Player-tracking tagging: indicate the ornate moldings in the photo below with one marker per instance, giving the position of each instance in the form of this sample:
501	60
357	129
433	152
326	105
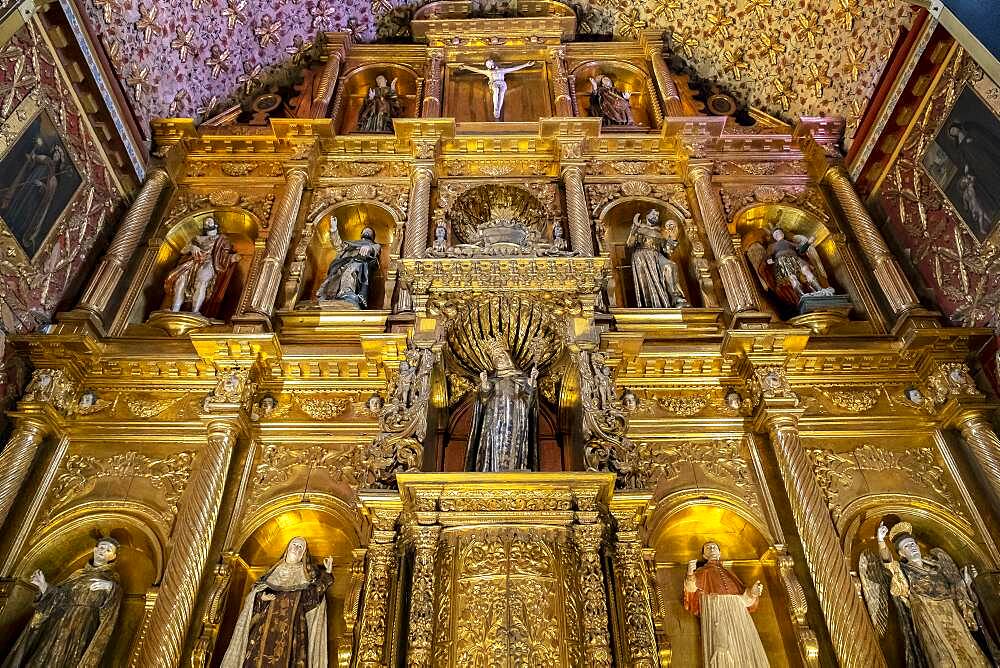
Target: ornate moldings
234	168
51	386
570	274
343	169
723	461
841	475
952	379
80	474
189	201
599	195
495	500
393	195
280	464
665	167
498	168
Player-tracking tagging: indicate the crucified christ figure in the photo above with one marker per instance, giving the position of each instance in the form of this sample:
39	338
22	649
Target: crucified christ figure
495	77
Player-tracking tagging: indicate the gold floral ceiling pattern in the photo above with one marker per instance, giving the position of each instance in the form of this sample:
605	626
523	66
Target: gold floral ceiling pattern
789	57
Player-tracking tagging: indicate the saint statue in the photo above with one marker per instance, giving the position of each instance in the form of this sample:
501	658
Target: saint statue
655	275
349	277
73	620
936	609
729	638
503	425
380	107
283	620
203	273
791	269
609	102
495	78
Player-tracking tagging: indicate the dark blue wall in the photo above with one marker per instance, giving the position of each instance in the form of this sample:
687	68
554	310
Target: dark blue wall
982	18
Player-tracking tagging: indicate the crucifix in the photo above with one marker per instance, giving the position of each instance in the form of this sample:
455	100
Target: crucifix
495	78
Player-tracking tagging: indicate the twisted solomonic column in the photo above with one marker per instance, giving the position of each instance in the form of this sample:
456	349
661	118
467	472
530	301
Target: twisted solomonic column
283	218
422	612
115	261
323	90
560	84
888	273
419	211
431	105
16	459
983	443
577	212
191	539
851	632
668	87
736	280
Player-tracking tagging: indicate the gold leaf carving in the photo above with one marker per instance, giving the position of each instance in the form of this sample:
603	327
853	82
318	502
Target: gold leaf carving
224	197
682	405
323	409
147	408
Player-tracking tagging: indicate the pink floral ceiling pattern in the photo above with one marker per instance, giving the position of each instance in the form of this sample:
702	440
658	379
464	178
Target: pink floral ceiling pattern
788	57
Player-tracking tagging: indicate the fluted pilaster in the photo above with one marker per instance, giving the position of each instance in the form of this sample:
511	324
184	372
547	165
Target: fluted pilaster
597	643
668	87
16	459
419	211
736	279
560	84
851	632
431	106
124	244
192	536
577	211
887	271
421	626
283	218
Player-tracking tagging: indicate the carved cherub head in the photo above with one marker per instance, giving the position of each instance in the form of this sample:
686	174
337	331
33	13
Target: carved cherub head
87	399
630	402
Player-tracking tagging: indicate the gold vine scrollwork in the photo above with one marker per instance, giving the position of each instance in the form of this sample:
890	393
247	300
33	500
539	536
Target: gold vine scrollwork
724	460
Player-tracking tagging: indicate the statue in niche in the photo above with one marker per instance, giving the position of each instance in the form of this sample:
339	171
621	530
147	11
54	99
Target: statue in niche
203	273
793	271
503	425
655	275
73	620
495	78
440	245
283	619
729	638
609	102
380	107
349	276
936	608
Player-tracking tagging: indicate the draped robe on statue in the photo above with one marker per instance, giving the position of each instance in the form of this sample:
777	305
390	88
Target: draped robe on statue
289	630
72	624
503	426
729	638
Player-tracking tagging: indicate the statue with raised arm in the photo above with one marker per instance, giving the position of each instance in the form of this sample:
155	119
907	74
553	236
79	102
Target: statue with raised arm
610	103
655	275
935	607
380	107
74	619
714	593
495	78
349	276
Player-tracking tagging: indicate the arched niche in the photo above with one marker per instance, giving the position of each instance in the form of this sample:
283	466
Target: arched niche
352	219
626	77
67	545
242	228
754	224
616	222
678	530
330	528
933	526
354	87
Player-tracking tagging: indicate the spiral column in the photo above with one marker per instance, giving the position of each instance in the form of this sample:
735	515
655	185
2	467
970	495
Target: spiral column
888	273
16	458
560	84
668	87
124	244
982	442
736	279
431	105
851	632
323	90
577	211
419	211
191	539
283	218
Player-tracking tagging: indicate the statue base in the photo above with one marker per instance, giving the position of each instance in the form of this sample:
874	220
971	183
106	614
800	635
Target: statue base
327	305
821	322
179	323
824	301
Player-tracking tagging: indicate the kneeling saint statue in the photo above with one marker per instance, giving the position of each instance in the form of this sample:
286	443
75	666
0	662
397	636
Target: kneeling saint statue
283	620
503	425
73	620
729	638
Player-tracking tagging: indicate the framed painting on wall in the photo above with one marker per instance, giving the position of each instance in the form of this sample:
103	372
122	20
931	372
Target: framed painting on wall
964	162
37	181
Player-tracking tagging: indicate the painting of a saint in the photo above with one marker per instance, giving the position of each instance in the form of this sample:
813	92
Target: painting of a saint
964	161
37	182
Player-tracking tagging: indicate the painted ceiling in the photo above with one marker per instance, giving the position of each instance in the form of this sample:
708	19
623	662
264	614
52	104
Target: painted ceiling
789	57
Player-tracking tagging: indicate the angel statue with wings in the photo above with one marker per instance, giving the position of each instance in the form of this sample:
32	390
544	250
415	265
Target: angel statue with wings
380	107
936	609
791	269
349	276
655	275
